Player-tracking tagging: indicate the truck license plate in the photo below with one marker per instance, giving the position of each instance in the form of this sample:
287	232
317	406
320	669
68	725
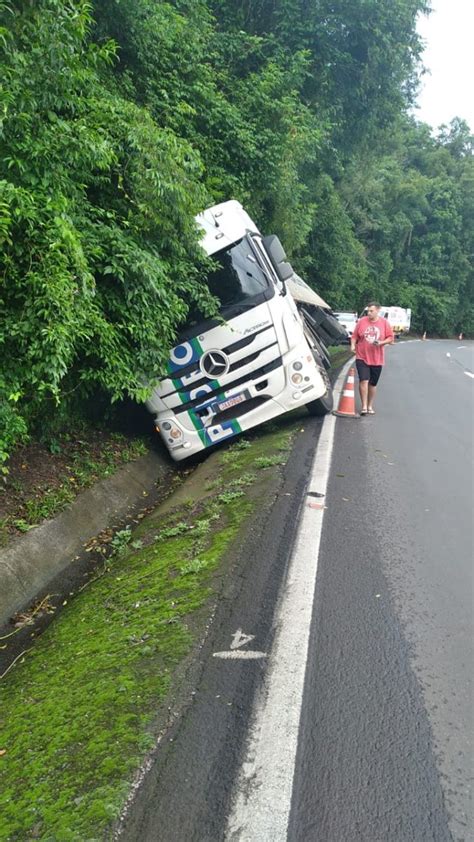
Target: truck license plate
235	399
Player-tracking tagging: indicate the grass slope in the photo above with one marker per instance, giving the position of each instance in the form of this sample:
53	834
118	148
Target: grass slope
79	710
42	482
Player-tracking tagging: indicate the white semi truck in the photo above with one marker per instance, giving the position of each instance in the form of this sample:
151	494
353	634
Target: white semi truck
261	357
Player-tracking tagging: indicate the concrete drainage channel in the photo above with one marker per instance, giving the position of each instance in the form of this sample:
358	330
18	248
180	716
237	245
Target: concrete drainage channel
57	558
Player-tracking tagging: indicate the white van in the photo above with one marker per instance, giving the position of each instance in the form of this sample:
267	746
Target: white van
348	321
398	318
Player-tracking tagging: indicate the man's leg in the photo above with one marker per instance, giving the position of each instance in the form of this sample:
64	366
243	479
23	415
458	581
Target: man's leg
363	371
363	390
375	372
371	396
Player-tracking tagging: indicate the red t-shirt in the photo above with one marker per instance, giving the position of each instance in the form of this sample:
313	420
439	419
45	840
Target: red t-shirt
365	333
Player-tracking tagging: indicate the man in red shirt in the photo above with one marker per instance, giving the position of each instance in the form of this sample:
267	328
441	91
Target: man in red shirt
370	335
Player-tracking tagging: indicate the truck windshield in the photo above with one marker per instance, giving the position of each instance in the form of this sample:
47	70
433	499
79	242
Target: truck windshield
237	281
237	278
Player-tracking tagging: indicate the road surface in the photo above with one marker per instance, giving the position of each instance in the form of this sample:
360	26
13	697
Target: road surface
354	720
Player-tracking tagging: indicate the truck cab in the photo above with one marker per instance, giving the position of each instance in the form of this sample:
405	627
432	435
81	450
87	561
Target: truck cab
253	361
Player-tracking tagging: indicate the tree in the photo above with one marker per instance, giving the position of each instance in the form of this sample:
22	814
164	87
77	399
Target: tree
122	119
99	242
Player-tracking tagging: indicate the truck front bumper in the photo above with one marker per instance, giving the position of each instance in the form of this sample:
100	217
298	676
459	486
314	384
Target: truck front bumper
296	382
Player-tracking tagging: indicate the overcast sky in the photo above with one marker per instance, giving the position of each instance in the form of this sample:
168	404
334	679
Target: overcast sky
448	91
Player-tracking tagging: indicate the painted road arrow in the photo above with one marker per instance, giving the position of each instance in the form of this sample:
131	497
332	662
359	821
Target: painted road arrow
236	653
240	639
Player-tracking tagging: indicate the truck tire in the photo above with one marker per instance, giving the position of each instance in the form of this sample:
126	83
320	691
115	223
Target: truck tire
325	403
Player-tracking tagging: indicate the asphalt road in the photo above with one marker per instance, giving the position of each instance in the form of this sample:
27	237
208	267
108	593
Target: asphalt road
384	749
386	740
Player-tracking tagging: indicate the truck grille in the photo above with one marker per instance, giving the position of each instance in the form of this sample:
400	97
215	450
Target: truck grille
229	350
246	379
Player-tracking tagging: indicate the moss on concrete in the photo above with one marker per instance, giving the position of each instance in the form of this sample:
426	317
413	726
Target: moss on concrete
81	709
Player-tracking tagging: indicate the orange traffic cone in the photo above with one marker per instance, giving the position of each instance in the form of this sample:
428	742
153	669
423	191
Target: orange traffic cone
346	408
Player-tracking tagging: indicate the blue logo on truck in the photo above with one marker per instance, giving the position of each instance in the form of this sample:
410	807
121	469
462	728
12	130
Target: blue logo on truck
184	355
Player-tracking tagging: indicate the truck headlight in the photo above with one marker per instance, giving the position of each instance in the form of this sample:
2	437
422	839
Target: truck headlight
170	431
296	378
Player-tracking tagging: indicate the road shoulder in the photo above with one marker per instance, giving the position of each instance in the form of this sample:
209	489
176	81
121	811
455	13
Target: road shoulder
103	683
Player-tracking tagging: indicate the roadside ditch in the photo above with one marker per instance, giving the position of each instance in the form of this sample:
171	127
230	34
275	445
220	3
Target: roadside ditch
83	705
85	698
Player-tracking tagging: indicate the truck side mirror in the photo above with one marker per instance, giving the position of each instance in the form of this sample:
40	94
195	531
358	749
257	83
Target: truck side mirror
276	253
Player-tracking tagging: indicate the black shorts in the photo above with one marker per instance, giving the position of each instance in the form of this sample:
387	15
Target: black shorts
368	372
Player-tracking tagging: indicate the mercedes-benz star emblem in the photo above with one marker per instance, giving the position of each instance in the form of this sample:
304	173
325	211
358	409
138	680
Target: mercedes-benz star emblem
214	364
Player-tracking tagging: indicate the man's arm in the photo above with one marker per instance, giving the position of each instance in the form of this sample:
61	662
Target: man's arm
354	338
389	338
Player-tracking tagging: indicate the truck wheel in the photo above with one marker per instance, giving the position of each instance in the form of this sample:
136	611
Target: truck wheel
325	403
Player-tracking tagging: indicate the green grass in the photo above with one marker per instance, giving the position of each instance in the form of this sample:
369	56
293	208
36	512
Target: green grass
339	354
83	472
268	461
81	708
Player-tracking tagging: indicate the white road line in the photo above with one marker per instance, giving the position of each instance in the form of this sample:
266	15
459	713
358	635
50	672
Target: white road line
469	373
262	796
240	655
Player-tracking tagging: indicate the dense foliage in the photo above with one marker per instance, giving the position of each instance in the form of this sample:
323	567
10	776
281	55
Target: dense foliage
120	119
